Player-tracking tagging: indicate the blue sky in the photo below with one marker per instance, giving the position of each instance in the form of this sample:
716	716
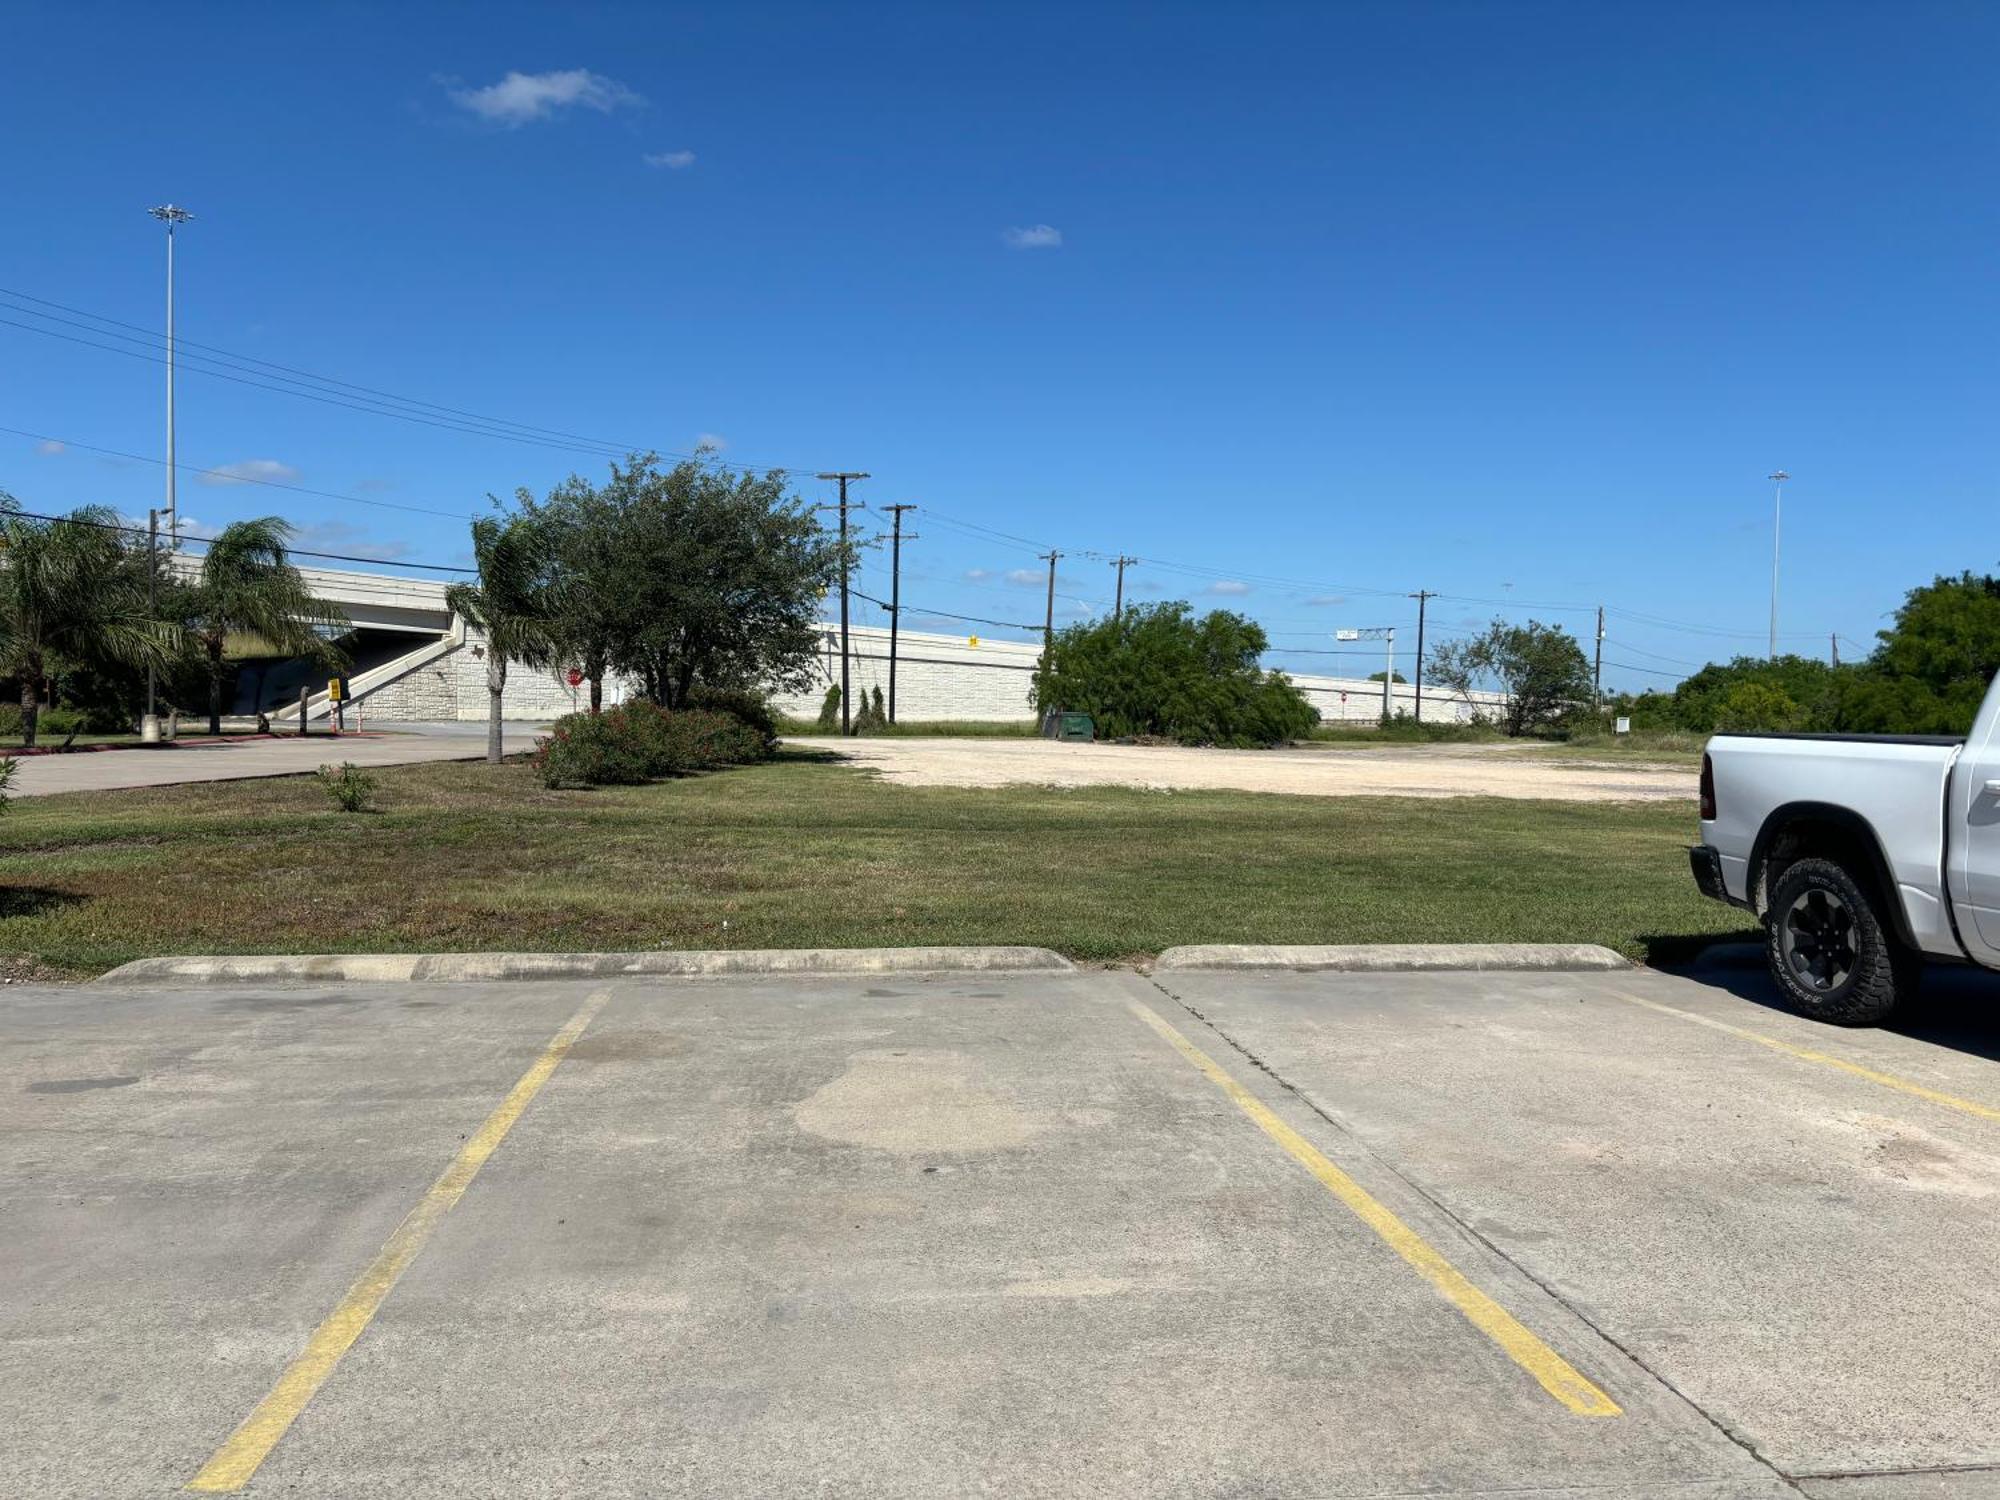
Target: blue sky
1321	303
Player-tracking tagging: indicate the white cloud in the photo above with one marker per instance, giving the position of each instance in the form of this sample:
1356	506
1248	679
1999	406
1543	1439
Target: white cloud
49	447
978	575
1033	237
341	536
521	98
672	161
1231	587
715	442
1026	576
252	471
1325	601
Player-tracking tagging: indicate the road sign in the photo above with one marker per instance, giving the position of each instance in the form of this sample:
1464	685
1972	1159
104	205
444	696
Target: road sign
574	677
335	690
1347	635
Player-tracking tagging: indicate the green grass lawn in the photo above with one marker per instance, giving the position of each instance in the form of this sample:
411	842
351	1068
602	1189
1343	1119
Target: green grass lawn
802	852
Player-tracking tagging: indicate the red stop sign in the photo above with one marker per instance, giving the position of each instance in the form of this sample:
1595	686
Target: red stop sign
574	676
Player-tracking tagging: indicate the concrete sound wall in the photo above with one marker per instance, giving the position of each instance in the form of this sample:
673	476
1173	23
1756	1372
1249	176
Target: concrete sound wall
951	677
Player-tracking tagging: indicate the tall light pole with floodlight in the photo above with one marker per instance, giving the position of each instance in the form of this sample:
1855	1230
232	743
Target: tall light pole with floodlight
172	215
1777	525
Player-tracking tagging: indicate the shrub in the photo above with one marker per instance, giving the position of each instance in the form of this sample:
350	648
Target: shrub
591	750
749	708
347	786
870	718
7	768
700	739
1156	670
641	741
829	710
57	723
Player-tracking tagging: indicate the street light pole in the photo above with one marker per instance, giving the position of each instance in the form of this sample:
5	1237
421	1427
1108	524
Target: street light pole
1777	523
171	215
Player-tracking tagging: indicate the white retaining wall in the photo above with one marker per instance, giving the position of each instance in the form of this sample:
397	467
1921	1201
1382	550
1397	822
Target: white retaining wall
948	677
937	677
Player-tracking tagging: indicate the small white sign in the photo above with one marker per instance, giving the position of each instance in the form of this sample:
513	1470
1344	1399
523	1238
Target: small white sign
1347	635
1622	724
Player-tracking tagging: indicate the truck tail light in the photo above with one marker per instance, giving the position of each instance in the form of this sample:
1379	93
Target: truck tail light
1707	790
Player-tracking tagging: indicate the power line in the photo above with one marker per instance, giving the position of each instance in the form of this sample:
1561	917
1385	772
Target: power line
256	372
234	479
238	358
203	541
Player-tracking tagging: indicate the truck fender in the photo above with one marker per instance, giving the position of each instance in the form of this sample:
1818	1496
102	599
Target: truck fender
1843	831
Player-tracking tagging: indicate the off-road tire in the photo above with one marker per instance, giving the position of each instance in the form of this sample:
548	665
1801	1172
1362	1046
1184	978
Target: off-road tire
1830	953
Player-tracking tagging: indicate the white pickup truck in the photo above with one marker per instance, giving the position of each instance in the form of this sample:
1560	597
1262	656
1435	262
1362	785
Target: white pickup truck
1864	855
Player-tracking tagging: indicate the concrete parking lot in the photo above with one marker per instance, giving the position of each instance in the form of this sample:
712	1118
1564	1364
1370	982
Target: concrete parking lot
1226	1234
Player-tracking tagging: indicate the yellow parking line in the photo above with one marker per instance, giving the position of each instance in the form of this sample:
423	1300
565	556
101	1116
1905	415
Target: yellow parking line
1557	1376
1887	1080
237	1459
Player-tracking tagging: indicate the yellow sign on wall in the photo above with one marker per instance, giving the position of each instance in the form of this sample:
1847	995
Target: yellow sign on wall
972	640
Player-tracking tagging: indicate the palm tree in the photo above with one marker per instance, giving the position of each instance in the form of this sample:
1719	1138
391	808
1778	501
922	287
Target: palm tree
246	585
71	588
514	603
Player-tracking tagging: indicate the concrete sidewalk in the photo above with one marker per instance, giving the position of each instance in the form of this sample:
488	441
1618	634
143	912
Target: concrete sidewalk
107	770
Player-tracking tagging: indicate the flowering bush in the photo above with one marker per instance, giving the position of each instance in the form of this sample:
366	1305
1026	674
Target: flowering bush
590	750
641	741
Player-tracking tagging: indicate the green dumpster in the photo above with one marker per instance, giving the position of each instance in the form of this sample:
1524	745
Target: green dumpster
1076	727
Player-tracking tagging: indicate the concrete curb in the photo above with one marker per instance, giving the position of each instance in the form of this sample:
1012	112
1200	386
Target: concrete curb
1392	958
445	968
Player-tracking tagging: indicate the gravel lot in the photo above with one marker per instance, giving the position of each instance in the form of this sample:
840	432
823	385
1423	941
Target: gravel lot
1415	771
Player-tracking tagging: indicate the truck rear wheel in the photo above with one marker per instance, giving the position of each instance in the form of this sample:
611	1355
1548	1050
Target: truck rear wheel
1829	949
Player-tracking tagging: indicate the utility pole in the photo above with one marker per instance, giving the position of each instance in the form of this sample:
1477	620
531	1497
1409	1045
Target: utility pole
1049	619
171	215
1118	607
846	707
1423	597
1833	644
1777	522
895	594
1597	666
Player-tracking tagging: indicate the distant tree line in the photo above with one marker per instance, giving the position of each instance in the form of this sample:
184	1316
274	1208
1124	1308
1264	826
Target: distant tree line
1927	675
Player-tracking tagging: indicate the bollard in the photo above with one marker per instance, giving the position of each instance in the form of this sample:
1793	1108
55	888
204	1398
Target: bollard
303	693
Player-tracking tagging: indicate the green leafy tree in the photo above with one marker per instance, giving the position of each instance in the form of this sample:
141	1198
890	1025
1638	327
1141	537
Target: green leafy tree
247	586
1935	662
1702	701
1540	668
690	577
1157	670
1759	707
516	602
587	536
70	590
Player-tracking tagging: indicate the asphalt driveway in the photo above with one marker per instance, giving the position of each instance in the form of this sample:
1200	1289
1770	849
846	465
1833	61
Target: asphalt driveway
1026	1234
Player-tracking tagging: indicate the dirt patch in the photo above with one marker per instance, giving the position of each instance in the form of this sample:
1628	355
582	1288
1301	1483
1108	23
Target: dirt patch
1304	771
